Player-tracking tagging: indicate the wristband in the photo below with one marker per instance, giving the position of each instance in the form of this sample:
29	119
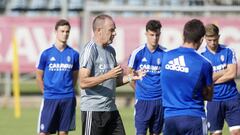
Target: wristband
129	78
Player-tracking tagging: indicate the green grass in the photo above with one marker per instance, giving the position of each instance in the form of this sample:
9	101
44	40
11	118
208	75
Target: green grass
27	124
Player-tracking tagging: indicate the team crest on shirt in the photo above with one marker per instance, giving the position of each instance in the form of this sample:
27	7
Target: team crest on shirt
68	58
158	61
222	58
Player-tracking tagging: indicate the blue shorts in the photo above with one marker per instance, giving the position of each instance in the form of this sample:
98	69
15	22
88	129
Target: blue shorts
185	125
57	115
148	114
218	111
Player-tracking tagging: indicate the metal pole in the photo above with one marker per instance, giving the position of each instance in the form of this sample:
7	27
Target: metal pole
86	18
64	9
7	89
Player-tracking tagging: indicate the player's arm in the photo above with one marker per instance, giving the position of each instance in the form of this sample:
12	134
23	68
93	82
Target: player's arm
230	74
132	83
75	77
86	81
123	79
218	75
132	64
208	92
208	77
39	79
131	77
75	69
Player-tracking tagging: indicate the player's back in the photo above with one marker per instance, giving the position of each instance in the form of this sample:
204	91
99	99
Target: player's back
182	82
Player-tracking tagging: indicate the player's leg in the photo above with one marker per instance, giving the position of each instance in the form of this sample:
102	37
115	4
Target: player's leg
235	131
233	115
215	117
67	115
44	134
143	114
62	133
48	121
156	122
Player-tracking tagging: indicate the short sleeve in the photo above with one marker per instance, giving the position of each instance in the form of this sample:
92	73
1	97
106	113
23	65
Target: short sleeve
208	72
231	58
132	61
87	58
76	62
41	63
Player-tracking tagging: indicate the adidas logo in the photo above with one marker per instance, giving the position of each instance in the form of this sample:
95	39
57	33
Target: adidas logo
52	59
144	60
177	64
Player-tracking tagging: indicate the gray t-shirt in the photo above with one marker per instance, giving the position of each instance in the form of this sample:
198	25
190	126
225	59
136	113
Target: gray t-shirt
99	61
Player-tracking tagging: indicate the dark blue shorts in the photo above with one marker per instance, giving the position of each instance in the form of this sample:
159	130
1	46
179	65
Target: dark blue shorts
57	115
218	111
185	125
148	115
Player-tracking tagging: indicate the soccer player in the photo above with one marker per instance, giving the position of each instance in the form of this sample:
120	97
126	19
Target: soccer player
186	80
99	76
57	73
226	101
148	92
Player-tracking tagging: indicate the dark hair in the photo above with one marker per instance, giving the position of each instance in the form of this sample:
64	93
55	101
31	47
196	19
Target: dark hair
153	25
211	30
193	31
99	20
62	22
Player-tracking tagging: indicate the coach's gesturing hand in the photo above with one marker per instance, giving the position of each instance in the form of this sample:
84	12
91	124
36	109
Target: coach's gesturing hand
115	72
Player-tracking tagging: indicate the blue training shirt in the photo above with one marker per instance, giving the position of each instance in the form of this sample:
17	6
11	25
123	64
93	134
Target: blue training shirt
58	67
149	88
184	74
220	60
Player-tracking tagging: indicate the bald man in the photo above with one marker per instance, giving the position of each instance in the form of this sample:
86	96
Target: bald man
99	76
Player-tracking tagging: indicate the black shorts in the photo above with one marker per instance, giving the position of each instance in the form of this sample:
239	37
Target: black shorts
102	123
